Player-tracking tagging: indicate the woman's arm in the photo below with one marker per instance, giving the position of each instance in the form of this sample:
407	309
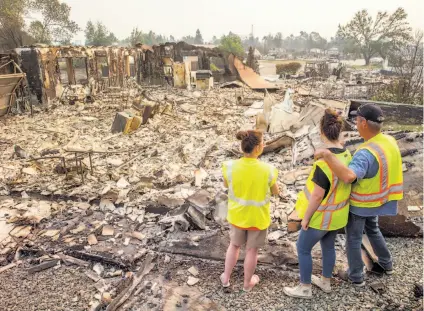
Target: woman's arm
275	190
314	203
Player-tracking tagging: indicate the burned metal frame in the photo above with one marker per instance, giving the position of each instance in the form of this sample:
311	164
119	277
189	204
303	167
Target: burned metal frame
144	64
12	80
78	161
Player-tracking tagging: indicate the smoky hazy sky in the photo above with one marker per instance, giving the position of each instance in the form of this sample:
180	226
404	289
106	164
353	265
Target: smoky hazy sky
218	17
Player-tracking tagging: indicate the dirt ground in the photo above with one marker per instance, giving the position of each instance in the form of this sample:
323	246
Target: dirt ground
67	288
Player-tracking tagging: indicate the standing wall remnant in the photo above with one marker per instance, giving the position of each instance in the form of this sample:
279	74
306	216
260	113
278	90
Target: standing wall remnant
53	69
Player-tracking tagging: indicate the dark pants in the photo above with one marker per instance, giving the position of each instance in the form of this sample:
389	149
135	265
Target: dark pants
354	231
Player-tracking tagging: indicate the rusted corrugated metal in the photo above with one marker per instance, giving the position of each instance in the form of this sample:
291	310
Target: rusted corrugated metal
251	78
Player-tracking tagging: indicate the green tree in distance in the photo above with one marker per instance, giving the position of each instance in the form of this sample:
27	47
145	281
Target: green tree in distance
376	36
232	44
55	24
98	35
198	38
12	23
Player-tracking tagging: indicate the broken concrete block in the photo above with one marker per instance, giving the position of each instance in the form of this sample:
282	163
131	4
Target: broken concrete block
192	280
114	162
199	175
92	275
221	208
200	198
138	235
43	266
108	230
193	270
99	269
122	123
106	205
196	217
92	240
170	202
289	178
414	208
178	222
273	236
140	219
122	183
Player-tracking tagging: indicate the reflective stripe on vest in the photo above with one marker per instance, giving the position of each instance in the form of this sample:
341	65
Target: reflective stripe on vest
383	195
327	206
330	207
241	201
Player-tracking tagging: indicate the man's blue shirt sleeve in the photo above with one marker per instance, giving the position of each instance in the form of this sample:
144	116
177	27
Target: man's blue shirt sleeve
361	164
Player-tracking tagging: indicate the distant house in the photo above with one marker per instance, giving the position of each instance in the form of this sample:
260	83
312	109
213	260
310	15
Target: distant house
208	46
333	51
316	51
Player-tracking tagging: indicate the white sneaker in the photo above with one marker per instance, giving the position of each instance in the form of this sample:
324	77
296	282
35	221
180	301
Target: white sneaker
300	291
325	286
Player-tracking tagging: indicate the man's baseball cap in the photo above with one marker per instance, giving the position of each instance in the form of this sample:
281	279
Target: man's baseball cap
370	112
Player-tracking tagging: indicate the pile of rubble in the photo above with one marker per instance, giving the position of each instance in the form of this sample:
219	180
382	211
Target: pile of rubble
74	193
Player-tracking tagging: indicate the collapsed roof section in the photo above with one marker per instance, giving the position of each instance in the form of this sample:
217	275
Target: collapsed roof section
250	77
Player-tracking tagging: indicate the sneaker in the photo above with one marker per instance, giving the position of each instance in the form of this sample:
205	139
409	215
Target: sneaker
379	270
324	285
345	277
300	291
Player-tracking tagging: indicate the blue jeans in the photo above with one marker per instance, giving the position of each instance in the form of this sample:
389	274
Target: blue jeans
307	239
354	231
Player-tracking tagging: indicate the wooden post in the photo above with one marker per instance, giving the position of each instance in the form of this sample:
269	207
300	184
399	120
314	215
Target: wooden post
70	70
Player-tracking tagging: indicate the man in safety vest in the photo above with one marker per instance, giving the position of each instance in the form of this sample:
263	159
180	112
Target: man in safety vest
377	185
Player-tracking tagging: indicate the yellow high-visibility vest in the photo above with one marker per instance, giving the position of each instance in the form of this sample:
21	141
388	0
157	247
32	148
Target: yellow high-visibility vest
249	181
387	184
333	212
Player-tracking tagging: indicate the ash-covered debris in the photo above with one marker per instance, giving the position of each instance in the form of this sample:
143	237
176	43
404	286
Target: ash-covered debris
78	192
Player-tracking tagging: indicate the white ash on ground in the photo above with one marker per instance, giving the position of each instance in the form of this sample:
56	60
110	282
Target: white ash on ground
155	193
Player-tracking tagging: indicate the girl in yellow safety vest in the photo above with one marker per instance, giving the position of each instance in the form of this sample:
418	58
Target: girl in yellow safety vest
250	184
323	206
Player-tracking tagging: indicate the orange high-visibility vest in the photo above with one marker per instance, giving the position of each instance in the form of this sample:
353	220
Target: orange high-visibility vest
387	184
333	212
